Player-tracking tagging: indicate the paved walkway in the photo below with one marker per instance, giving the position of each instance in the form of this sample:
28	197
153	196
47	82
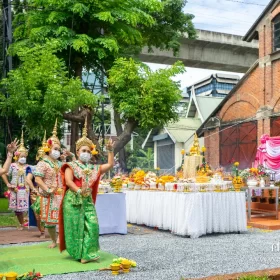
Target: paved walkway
14	236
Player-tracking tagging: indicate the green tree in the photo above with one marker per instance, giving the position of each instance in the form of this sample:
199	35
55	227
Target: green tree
1	45
40	89
144	98
90	35
146	160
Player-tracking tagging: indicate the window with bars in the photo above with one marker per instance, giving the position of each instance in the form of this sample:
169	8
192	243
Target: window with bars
68	139
276	33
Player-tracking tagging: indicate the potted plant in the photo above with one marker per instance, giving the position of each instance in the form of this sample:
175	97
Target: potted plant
251	176
262	199
254	197
271	199
263	175
237	180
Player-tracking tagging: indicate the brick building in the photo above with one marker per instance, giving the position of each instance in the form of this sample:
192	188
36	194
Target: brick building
252	108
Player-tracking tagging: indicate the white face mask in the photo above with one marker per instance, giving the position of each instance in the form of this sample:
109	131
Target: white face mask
85	157
55	154
22	160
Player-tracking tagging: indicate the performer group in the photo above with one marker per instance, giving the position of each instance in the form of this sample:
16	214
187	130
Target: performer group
62	194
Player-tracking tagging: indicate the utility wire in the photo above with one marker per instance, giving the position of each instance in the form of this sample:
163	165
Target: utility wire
223	18
216	9
247	3
243	121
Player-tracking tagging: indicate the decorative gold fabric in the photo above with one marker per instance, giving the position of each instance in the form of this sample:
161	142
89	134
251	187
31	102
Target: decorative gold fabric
80	226
190	164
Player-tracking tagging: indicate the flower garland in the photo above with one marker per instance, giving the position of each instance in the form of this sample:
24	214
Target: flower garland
93	150
16	155
7	194
32	275
250	173
47	146
166	179
139	177
120	260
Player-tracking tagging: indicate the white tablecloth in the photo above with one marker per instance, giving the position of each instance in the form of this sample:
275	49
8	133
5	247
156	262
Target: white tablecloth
111	213
192	214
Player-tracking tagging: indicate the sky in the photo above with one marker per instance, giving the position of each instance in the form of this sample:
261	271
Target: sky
226	16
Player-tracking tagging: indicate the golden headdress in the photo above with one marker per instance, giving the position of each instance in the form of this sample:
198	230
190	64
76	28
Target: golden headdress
53	139
84	141
21	148
41	150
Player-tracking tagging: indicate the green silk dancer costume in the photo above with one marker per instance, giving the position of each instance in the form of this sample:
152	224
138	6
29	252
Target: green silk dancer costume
78	225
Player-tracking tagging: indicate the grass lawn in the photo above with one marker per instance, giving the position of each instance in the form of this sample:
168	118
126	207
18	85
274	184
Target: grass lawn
9	220
6	220
4	204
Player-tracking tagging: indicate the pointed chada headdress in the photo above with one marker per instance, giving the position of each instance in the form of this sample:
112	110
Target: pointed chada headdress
21	148
53	139
85	141
41	151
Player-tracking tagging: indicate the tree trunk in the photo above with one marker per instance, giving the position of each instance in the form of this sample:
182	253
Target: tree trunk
125	135
75	125
79	117
74	136
119	130
122	160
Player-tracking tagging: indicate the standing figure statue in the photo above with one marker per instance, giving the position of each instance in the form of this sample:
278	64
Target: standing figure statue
35	191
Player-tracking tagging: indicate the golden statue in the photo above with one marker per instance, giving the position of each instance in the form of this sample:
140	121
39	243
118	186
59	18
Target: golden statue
195	149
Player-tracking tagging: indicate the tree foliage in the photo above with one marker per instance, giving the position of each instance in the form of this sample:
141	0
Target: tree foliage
140	158
148	98
89	35
40	89
1	45
94	33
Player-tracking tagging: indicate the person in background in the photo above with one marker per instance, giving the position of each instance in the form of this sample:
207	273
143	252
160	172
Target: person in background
19	191
47	176
35	191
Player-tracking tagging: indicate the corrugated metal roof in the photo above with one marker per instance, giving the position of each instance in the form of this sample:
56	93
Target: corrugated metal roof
183	129
207	104
181	135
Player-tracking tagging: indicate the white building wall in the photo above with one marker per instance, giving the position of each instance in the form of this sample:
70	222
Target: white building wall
155	154
178	156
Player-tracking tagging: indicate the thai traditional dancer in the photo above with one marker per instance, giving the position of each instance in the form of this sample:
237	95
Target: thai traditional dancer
48	178
35	191
11	148
19	190
78	224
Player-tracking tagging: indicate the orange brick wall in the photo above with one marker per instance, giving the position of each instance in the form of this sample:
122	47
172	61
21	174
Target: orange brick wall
211	142
260	90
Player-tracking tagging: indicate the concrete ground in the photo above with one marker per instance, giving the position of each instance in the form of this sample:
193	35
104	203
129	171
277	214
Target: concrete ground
163	256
